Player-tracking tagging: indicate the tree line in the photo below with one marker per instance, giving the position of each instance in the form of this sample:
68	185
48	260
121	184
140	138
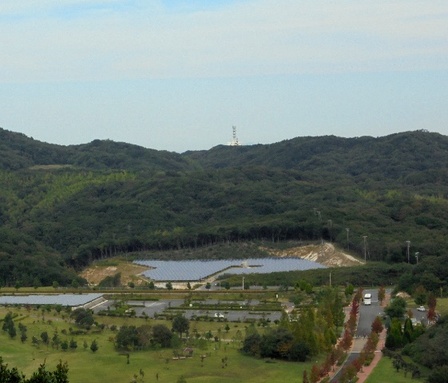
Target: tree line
42	375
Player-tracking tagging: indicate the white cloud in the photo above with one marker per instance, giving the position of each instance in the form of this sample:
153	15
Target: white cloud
125	39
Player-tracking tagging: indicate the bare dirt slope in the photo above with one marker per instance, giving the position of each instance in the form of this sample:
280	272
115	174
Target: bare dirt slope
325	254
129	272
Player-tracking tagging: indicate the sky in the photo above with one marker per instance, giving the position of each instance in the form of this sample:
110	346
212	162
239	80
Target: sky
176	75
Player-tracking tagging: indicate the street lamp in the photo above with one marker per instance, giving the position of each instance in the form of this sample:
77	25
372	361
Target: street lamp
416	256
408	244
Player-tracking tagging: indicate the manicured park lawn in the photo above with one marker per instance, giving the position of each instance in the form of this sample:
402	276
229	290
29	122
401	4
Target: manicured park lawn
385	372
108	365
442	306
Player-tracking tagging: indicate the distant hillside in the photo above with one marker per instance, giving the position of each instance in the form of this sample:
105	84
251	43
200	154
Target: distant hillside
70	205
21	152
401	156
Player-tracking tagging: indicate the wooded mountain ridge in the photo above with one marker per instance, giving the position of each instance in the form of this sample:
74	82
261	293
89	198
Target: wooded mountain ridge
62	207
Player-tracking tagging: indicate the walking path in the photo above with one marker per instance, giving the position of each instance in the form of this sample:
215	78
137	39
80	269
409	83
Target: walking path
365	371
357	346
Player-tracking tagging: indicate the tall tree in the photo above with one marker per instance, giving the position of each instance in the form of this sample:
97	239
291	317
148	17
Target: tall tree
377	325
396	308
83	317
161	335
381	294
181	325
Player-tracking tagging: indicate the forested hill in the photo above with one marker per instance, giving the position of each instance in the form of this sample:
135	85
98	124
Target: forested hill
395	156
399	155
63	206
20	152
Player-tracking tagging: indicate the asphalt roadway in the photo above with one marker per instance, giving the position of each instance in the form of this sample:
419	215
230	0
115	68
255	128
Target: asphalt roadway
367	314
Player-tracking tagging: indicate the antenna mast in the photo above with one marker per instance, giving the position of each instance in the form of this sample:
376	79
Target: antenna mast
235	141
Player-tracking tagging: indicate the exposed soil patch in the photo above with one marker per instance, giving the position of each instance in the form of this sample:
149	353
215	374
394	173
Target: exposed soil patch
129	273
325	254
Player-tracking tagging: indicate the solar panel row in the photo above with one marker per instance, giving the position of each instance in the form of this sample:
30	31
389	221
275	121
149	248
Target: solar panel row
71	300
199	269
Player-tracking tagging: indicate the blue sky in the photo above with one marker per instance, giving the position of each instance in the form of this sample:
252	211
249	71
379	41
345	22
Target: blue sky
177	75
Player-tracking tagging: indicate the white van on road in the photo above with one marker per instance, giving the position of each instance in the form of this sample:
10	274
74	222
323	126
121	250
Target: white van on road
367	299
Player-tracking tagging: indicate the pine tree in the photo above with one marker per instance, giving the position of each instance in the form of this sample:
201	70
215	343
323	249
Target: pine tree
12	331
73	344
94	346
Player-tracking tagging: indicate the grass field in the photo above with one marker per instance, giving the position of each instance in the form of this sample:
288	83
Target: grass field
385	372
442	306
108	365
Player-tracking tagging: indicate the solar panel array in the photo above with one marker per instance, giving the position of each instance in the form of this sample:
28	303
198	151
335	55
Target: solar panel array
71	300
200	269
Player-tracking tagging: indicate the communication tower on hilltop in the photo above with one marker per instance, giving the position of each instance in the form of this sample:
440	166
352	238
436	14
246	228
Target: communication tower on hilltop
234	141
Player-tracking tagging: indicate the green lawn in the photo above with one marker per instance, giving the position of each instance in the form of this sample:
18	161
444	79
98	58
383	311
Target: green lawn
385	372
442	306
110	366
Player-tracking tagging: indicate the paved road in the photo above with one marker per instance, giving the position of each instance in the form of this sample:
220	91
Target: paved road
367	314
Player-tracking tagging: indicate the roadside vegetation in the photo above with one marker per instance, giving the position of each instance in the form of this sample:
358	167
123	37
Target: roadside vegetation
418	349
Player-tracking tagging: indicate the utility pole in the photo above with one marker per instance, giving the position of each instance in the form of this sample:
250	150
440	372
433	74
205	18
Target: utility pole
348	238
365	248
408	245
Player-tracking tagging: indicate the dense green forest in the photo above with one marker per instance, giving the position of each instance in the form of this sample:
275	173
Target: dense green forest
62	207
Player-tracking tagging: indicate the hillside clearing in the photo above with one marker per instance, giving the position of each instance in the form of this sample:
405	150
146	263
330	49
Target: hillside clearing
326	254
